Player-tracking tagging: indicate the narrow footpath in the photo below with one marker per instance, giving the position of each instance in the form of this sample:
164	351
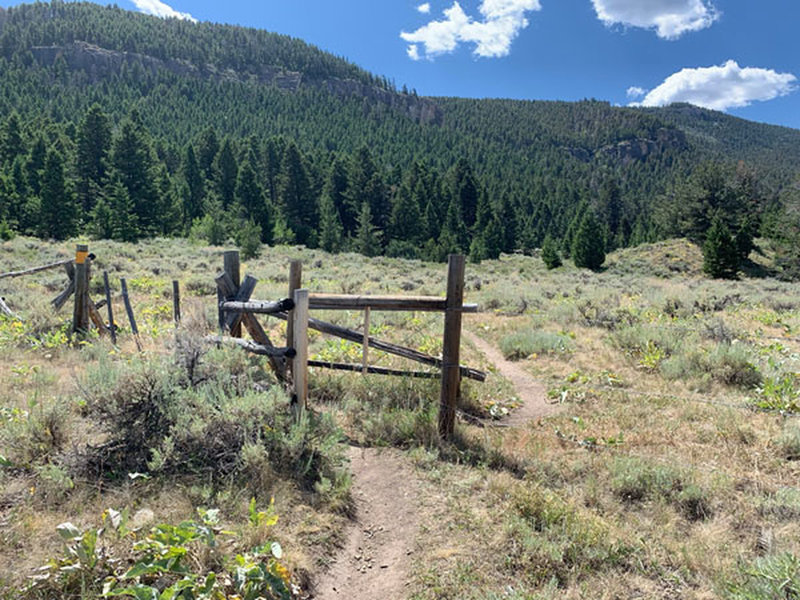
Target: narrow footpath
374	563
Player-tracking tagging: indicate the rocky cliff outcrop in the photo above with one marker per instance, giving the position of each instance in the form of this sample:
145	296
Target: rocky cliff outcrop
100	63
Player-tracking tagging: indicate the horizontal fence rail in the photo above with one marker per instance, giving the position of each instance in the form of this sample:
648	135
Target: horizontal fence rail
372	370
386	303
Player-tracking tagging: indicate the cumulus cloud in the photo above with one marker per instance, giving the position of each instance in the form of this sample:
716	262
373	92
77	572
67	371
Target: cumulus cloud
635	92
159	9
492	35
424	8
720	88
670	18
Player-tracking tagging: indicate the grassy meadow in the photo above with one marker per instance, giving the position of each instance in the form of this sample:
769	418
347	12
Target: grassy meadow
670	469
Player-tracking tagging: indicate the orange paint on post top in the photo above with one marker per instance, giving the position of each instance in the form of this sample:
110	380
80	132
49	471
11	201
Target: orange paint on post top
80	257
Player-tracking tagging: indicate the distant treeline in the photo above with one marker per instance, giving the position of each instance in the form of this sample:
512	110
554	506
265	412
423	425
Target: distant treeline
128	126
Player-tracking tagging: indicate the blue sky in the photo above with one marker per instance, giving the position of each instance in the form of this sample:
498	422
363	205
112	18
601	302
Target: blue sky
740	56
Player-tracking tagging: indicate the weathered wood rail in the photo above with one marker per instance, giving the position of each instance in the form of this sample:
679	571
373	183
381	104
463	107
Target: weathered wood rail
291	363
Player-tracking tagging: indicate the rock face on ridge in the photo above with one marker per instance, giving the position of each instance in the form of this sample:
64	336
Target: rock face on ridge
99	63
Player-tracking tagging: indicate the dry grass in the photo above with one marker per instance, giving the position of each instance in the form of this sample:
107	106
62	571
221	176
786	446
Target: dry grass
655	481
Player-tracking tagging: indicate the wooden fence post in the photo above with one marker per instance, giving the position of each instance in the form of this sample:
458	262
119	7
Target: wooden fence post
295	282
365	343
80	314
451	372
111	326
300	367
233	269
176	303
129	309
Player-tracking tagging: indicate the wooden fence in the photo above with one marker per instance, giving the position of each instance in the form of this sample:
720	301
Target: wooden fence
86	312
291	363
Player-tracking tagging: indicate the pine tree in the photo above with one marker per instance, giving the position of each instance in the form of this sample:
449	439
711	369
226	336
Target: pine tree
225	173
92	146
35	166
123	223
58	211
132	162
296	202
194	192
251	201
331	232
405	222
368	236
11	144
720	255
248	238
550	255
588	246
207	150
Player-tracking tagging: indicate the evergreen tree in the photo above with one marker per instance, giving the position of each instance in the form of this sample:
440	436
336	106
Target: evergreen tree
207	150
405	222
331	232
720	255
368	236
11	144
588	246
194	193
124	221
335	188
465	190
132	162
248	238
58	211
35	166
296	202
252	203
92	146
550	255
225	173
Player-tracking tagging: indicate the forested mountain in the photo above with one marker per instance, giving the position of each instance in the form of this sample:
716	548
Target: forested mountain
129	125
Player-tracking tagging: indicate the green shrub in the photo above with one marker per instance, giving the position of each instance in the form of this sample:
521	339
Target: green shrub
633	480
640	338
518	346
248	238
771	578
636	480
183	561
731	364
780	392
548	538
789	443
208	412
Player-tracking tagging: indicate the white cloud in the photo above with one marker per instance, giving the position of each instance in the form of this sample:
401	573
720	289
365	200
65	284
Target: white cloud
492	36
720	88
635	92
670	18
159	9
424	8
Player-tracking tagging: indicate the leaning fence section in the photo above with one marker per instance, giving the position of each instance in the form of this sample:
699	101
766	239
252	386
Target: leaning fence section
291	362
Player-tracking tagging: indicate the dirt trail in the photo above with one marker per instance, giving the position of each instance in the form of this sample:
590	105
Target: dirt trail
532	394
374	563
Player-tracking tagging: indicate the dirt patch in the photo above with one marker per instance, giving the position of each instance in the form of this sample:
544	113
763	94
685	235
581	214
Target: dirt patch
375	560
532	394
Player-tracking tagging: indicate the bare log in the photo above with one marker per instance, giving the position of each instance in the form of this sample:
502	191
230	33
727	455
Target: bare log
35	269
259	349
226	289
5	310
257	307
